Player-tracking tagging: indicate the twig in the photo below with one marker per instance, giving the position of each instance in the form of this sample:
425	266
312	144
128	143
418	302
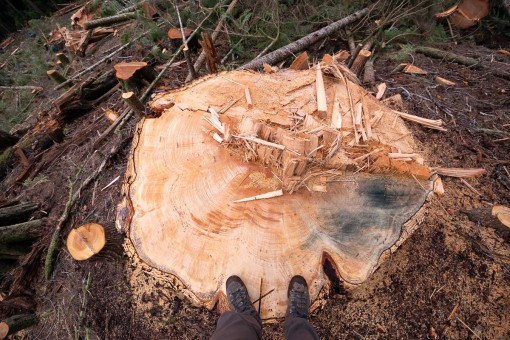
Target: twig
185	50
472	331
15	88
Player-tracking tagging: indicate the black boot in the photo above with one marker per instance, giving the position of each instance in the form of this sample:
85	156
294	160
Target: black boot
238	295
299	299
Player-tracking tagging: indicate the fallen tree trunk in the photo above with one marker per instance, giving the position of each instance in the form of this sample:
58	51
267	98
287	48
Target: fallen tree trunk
300	44
21	232
16	213
115	19
16	323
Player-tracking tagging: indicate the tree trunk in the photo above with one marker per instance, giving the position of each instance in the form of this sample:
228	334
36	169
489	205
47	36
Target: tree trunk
16	213
300	44
21	232
6	140
16	323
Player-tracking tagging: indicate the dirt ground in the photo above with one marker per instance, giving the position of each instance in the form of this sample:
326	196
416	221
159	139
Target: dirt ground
450	279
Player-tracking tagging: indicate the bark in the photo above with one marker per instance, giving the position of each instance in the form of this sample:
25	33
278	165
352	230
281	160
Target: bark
300	44
16	213
115	19
6	140
16	323
360	61
134	103
21	232
369	74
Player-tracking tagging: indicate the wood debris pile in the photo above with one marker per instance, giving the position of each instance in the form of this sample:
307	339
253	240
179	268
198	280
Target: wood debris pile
309	128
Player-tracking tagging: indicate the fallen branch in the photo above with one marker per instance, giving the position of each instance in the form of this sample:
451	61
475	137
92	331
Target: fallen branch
108	21
73	197
300	44
16	88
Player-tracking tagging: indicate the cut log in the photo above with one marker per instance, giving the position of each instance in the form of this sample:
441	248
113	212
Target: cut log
16	213
108	21
84	43
134	103
26	231
86	241
179	212
466	13
6	140
63	59
16	323
300	44
56	76
126	70
496	217
359	62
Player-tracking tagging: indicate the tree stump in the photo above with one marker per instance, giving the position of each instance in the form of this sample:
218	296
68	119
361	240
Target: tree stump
338	200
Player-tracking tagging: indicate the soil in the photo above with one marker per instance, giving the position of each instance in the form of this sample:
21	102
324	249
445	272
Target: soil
450	279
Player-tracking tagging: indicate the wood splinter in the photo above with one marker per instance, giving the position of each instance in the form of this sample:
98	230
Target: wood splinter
134	103
247	94
322	106
270	194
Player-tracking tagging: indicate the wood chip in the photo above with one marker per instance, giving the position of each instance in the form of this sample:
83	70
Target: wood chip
381	90
247	94
413	69
444	81
322	105
300	63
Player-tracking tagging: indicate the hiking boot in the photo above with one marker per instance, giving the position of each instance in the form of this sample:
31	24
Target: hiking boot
238	295
299	299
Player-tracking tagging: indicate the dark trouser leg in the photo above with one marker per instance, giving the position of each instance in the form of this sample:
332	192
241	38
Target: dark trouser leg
233	325
299	329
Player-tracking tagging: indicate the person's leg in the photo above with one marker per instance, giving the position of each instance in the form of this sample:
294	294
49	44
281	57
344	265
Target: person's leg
296	324
233	325
299	329
243	322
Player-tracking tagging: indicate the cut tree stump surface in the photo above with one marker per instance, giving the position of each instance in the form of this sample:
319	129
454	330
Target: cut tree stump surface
181	184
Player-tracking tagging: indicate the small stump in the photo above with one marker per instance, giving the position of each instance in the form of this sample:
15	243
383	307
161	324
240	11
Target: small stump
86	241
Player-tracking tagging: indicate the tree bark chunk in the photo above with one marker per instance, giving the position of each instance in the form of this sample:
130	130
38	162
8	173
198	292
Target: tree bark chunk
301	44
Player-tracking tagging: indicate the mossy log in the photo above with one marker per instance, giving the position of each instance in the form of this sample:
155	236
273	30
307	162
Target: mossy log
21	232
108	21
16	213
16	323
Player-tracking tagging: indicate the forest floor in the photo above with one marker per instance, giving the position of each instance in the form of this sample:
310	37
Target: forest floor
450	278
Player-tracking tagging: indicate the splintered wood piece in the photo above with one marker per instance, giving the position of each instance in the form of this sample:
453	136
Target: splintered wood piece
269	69
359	112
429	123
413	69
366	120
328	60
444	81
247	94
127	70
301	62
86	241
398	155
134	103
336	116
181	183
341	56
381	89
459	172
360	61
210	52
322	105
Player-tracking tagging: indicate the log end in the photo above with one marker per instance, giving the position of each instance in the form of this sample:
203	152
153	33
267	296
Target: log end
86	241
4	330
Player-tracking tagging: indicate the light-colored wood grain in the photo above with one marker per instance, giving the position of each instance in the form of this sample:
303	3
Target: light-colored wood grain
181	186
